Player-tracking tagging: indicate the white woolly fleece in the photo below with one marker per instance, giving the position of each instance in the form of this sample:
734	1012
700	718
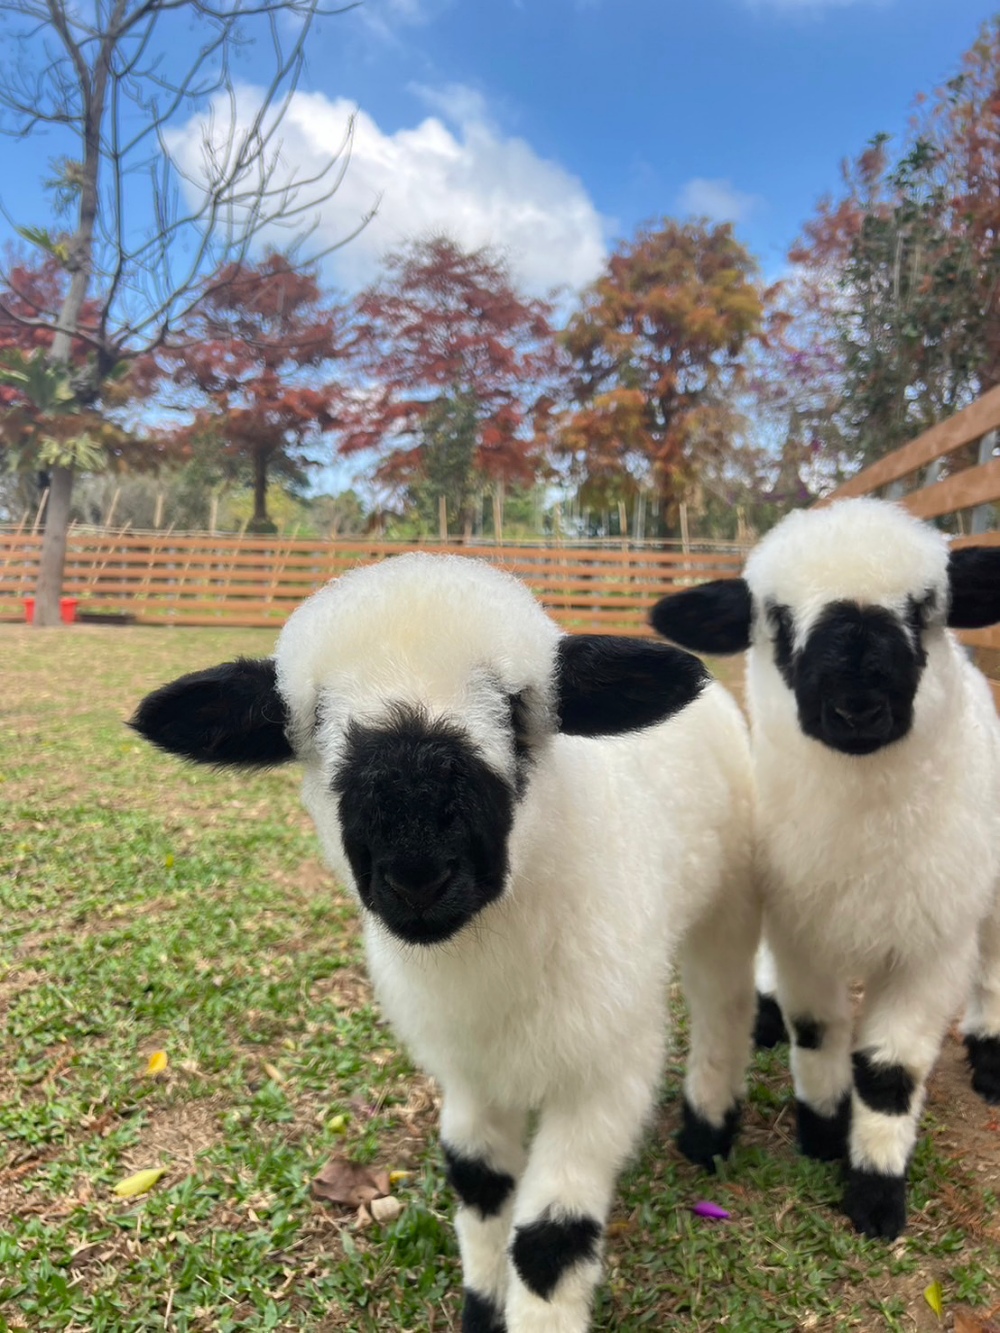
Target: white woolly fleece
881	867
866	551
555	997
898	851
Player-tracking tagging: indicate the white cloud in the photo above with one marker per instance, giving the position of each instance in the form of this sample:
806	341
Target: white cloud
468	181
385	18
456	102
717	200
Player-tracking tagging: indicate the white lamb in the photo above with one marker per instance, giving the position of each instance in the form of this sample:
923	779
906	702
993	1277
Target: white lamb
532	845
877	758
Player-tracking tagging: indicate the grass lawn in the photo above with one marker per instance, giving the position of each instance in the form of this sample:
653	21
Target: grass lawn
147	906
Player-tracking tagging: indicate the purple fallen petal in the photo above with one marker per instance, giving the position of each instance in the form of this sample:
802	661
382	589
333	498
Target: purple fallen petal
712	1210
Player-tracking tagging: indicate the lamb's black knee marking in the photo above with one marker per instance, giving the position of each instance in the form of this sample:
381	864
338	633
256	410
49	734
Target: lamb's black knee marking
809	1033
984	1059
701	1142
769	1028
480	1315
885	1088
823	1137
875	1203
476	1184
545	1249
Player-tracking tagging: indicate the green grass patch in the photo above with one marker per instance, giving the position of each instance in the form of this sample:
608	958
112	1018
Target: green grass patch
147	906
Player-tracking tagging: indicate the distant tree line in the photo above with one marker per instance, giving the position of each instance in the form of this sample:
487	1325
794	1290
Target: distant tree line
678	392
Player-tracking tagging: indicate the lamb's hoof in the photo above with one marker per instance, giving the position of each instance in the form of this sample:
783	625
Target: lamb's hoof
769	1029
876	1204
701	1142
984	1058
823	1137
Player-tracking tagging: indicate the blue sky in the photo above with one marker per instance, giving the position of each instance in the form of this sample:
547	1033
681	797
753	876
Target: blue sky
553	127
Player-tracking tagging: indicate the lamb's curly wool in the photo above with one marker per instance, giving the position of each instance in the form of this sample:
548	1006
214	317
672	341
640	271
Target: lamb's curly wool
525	891
877	762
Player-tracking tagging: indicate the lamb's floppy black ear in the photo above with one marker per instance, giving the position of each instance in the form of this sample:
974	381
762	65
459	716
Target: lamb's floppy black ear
974	578
229	714
609	684
712	618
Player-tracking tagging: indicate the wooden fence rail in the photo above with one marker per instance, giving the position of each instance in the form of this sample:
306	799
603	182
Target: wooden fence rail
948	473
171	579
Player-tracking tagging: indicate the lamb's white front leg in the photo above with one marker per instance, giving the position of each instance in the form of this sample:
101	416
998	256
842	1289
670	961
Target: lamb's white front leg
981	1024
717	959
484	1150
563	1201
906	1012
816	1009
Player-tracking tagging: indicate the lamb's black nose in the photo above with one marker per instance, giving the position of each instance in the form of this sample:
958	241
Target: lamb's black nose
419	885
862	714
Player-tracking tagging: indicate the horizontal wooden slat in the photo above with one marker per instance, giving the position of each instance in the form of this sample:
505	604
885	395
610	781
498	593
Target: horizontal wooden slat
982	638
963	428
269	547
973	486
166	579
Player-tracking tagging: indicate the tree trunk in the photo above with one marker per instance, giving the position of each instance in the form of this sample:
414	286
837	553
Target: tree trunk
50	569
259	489
93	88
260	521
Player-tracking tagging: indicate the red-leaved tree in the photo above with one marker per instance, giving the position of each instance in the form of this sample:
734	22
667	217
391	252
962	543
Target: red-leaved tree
458	370
254	371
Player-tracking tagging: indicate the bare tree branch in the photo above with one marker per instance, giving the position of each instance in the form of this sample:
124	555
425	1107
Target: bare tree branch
150	233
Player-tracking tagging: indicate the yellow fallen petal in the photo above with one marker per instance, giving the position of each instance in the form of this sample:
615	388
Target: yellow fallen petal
157	1062
395	1177
337	1124
168	860
934	1296
139	1183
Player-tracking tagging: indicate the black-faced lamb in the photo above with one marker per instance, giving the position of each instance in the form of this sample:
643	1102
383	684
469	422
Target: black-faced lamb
877	761
533	839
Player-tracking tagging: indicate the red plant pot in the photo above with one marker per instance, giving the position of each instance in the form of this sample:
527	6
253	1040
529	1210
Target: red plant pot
67	609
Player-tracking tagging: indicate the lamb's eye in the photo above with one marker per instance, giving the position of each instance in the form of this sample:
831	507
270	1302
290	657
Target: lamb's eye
782	629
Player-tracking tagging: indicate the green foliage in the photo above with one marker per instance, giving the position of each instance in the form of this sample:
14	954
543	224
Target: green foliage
912	329
47	387
43	240
897	314
449	436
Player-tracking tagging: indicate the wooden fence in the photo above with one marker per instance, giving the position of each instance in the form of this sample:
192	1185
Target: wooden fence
167	579
949	473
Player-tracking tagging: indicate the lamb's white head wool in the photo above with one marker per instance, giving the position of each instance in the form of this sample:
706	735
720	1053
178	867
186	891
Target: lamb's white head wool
419	692
845	602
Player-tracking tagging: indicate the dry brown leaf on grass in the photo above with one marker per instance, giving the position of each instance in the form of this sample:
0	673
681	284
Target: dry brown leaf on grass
967	1321
349	1183
353	1185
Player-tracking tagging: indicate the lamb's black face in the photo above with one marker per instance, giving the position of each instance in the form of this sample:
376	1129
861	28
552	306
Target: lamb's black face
855	678
425	823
